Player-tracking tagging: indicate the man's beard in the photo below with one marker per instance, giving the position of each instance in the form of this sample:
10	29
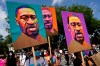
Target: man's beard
48	25
34	33
79	37
29	26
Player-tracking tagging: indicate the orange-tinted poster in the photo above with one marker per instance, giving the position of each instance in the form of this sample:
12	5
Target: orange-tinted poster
50	22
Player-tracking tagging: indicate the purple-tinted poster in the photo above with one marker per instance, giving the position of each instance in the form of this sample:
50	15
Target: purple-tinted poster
77	37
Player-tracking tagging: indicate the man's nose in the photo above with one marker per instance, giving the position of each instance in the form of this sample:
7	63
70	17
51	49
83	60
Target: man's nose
47	18
77	27
30	21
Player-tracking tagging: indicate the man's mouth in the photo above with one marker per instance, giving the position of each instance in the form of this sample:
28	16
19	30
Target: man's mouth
48	24
79	35
32	29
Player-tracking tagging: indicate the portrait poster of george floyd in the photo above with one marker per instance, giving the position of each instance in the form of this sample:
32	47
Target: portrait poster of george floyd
26	24
50	21
77	37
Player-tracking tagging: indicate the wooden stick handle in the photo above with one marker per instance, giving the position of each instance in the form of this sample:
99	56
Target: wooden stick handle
49	45
34	56
83	59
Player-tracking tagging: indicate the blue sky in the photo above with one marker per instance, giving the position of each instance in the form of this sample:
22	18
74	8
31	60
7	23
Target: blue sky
93	4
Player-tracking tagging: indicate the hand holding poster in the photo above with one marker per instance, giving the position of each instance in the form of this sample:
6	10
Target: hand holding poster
75	31
96	58
50	22
26	24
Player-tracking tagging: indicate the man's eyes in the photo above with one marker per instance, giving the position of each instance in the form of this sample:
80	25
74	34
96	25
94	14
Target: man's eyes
44	16
32	17
47	15
79	24
26	17
74	24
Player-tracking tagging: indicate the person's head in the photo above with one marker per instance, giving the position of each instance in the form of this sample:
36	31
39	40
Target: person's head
75	27
53	53
2	56
11	54
93	46
47	17
37	54
26	19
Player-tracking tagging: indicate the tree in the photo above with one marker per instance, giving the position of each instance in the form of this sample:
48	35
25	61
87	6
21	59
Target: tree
91	22
95	38
55	39
2	45
59	19
4	42
8	39
1	39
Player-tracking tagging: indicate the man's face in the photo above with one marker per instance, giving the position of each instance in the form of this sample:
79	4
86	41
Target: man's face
26	19
47	17
93	46
76	28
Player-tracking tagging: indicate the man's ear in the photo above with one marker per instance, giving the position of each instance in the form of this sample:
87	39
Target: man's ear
17	22
68	27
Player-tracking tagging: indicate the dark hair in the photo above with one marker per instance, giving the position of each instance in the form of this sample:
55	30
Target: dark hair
23	6
2	56
45	8
13	55
70	15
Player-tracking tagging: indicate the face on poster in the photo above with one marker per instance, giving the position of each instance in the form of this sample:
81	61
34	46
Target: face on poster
26	19
49	18
75	28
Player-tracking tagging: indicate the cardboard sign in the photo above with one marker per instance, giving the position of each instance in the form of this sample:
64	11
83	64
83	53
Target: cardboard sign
96	58
76	34
26	24
50	22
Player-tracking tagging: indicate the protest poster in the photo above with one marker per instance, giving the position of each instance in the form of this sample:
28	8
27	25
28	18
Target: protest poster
77	37
26	24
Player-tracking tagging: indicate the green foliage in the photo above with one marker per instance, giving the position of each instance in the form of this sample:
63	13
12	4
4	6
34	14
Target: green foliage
4	43
1	39
59	18
3	47
55	39
8	39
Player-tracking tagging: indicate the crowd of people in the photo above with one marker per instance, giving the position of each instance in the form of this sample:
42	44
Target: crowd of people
76	58
26	59
43	58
